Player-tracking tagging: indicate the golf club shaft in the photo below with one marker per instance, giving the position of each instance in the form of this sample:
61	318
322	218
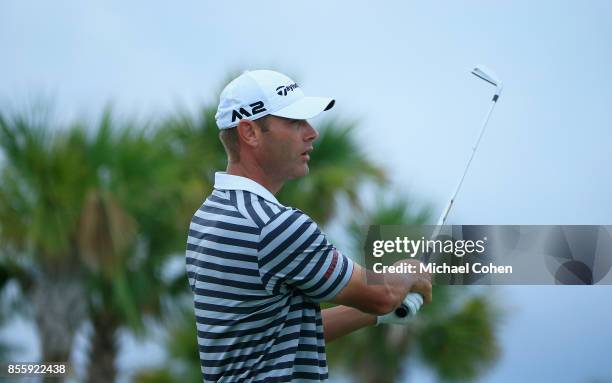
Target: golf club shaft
403	310
451	201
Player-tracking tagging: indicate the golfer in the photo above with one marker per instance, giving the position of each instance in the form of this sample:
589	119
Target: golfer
259	269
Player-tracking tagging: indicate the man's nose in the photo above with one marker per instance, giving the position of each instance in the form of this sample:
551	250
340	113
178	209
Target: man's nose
311	133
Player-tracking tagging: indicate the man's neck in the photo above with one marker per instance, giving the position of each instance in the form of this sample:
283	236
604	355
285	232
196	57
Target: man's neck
256	174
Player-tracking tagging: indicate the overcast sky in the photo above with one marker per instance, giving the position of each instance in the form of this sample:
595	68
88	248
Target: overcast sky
402	71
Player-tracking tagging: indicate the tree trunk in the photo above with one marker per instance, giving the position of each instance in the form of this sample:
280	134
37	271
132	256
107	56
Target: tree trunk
59	306
103	350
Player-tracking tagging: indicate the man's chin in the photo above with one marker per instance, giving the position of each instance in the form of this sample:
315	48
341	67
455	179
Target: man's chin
303	172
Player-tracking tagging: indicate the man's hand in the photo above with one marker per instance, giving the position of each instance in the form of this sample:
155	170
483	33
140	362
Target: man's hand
412	302
419	293
379	294
420	281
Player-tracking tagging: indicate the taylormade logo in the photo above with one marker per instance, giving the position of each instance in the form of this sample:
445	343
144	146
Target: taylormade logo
282	90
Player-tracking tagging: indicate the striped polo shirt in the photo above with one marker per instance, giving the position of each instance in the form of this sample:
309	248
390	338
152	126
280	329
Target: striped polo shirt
258	271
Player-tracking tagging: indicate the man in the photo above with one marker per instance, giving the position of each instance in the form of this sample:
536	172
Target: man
259	269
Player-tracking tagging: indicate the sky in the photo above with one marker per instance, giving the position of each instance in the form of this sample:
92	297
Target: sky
401	70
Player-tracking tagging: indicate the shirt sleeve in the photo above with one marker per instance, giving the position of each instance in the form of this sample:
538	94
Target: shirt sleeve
294	254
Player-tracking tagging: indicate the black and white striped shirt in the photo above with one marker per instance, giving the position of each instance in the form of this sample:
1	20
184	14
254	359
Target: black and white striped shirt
258	271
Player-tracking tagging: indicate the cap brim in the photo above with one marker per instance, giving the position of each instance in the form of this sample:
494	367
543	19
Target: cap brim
305	108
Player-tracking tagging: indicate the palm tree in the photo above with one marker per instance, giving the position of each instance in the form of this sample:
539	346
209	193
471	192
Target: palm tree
130	225
38	221
94	216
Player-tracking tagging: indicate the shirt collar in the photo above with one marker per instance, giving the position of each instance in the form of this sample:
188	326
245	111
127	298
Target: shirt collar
224	181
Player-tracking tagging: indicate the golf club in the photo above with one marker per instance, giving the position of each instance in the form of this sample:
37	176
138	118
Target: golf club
487	75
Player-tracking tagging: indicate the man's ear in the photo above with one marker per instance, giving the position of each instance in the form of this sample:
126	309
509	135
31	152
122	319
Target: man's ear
249	132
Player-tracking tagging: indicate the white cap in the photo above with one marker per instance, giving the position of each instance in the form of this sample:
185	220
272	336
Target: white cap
258	93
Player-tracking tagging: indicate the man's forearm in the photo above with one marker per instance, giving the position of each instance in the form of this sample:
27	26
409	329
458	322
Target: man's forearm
342	320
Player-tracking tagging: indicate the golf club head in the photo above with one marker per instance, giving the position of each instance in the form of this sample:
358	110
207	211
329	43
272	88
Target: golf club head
489	76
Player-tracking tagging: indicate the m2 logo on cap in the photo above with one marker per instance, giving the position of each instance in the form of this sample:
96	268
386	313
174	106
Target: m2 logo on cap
256	108
282	90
